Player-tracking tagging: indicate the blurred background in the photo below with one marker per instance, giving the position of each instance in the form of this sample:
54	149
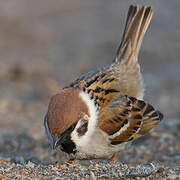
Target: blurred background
45	45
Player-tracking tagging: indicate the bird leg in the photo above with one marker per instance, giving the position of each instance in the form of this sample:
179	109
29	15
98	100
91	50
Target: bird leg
114	158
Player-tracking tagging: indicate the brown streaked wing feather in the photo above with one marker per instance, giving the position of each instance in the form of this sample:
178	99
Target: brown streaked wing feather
104	89
127	118
101	86
115	115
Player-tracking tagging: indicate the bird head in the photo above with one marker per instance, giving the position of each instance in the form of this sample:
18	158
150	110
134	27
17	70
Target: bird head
66	110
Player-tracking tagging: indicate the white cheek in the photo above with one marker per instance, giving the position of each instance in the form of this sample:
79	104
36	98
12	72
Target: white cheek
74	136
92	123
84	140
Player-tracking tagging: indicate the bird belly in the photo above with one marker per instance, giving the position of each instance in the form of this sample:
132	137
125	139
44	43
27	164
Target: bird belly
95	147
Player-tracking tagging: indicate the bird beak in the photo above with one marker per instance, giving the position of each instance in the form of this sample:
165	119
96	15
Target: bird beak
53	142
56	141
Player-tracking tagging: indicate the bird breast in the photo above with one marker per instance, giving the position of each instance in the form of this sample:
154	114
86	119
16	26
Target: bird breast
95	146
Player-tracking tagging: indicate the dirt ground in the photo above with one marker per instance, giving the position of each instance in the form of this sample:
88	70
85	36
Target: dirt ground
44	45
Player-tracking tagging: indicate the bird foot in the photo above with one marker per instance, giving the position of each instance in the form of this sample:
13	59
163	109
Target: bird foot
114	158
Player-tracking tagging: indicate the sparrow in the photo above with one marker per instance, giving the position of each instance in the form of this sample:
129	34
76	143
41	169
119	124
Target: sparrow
101	111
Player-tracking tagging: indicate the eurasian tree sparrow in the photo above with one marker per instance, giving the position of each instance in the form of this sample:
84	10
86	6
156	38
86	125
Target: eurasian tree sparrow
102	110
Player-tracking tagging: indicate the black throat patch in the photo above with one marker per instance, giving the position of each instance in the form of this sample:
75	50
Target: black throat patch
65	142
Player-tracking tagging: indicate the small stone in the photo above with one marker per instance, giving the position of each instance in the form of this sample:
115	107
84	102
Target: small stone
30	164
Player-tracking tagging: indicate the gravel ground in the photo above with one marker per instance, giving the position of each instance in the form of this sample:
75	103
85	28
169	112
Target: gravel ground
95	170
44	46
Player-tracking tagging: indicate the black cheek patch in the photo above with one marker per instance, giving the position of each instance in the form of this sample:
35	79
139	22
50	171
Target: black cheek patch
82	129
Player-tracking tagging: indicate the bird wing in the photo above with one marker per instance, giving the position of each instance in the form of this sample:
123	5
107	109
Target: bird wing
124	73
127	118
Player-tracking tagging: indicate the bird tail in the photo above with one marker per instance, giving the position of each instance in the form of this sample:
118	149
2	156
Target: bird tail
136	25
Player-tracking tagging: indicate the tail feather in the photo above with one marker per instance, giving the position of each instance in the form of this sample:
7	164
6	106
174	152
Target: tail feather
145	23
131	12
136	25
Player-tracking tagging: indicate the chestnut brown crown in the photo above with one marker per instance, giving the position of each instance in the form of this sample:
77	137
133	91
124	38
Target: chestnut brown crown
65	109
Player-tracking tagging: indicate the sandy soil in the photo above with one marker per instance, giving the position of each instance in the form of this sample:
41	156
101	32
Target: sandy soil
44	45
